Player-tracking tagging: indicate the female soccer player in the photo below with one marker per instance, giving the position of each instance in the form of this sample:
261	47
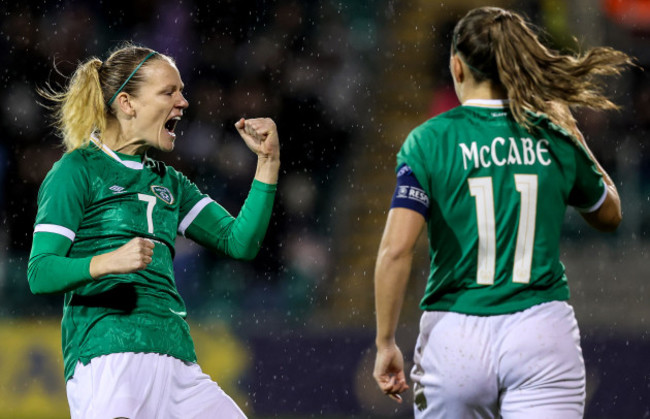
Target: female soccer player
492	179
107	219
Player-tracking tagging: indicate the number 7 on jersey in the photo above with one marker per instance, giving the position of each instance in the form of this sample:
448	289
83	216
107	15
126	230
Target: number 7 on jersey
151	201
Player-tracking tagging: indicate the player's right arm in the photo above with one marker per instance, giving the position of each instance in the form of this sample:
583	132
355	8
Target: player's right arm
392	272
62	200
130	257
50	271
405	222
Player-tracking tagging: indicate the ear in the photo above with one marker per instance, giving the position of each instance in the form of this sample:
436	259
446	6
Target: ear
457	69
124	103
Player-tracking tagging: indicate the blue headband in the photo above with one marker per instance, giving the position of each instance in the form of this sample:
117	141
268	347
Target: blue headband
129	78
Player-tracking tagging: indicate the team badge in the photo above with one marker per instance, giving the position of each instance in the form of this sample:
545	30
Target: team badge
163	193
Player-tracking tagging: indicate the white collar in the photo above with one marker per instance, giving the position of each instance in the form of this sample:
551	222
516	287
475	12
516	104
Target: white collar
128	163
487	103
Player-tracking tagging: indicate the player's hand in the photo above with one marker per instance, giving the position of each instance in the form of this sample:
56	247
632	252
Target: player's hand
133	256
389	372
261	136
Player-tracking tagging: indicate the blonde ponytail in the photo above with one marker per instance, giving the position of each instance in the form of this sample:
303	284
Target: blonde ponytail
79	110
84	106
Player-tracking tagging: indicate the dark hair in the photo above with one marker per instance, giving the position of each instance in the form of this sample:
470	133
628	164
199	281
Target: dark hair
499	45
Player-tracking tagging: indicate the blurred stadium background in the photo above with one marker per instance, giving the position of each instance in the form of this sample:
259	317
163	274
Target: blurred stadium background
291	334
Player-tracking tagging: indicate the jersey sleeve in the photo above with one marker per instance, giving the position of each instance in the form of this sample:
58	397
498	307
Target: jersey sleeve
409	193
589	190
411	155
191	204
49	271
62	199
240	237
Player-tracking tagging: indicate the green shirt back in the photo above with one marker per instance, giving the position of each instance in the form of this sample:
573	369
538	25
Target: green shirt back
498	194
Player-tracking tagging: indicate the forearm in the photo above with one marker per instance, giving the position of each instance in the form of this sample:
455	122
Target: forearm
50	273
239	237
267	170
391	278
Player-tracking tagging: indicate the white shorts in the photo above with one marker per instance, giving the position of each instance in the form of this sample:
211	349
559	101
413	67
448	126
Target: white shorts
145	386
522	365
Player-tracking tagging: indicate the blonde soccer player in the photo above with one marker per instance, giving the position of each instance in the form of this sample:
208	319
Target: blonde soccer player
107	220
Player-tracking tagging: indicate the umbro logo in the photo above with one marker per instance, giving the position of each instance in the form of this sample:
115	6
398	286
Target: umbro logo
117	188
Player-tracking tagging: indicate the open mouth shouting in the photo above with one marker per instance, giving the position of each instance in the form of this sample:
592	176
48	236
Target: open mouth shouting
170	125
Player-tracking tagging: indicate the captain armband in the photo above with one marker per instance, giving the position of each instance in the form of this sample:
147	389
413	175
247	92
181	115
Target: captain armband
409	193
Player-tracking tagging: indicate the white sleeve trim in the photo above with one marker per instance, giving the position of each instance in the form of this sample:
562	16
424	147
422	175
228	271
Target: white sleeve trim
194	212
597	204
57	229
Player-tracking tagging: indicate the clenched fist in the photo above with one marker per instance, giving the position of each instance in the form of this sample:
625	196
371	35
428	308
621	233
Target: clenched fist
131	257
261	136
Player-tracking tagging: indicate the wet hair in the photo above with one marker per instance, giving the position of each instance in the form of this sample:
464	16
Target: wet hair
85	104
500	46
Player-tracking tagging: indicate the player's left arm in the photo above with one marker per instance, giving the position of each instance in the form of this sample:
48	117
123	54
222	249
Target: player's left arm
238	237
392	272
210	225
607	216
261	137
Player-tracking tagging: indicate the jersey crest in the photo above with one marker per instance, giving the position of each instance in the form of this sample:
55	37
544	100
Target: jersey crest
163	193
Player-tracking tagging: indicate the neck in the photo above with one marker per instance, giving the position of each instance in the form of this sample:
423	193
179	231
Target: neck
115	139
482	90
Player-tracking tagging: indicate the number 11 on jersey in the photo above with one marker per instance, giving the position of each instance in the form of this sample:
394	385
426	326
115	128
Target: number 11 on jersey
481	189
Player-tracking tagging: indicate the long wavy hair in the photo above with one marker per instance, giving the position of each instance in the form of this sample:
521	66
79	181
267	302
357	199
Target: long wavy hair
500	46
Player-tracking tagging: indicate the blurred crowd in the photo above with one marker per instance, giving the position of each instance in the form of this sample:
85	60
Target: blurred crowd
307	64
324	71
298	62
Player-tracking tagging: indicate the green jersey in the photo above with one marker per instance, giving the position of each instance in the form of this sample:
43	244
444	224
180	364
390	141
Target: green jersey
497	197
100	200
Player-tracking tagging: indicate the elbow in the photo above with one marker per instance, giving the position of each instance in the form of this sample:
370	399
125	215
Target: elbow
245	249
611	223
37	291
246	257
606	222
608	217
32	279
246	254
39	277
394	253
